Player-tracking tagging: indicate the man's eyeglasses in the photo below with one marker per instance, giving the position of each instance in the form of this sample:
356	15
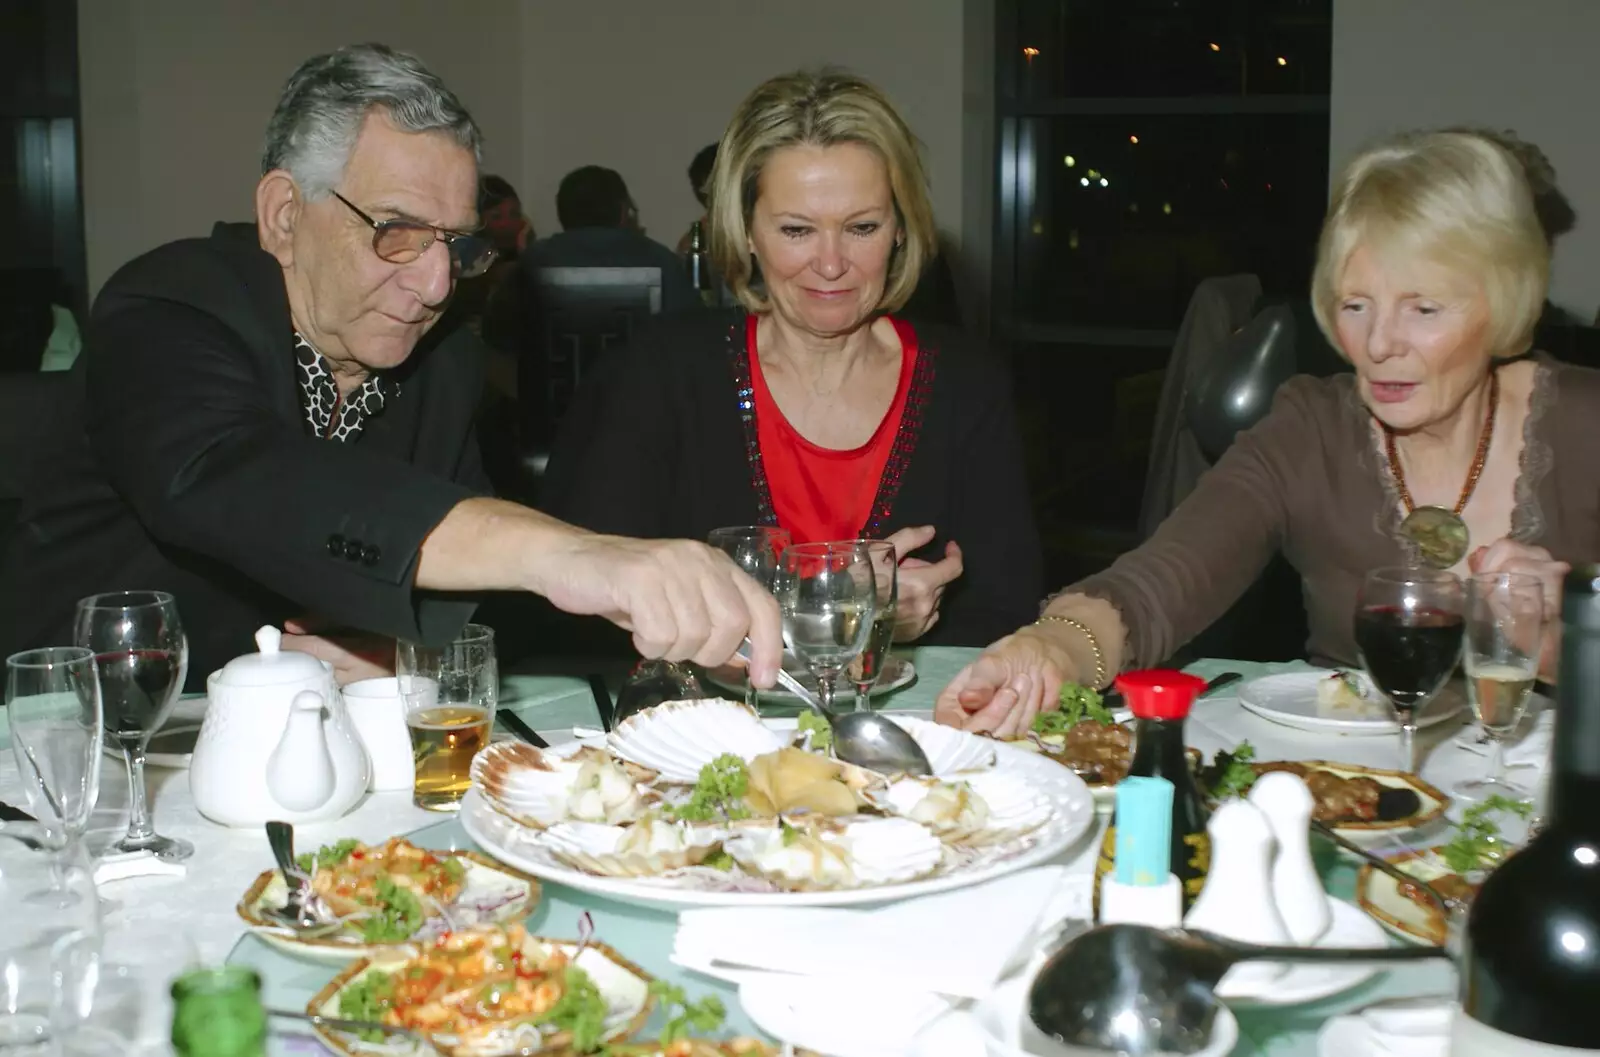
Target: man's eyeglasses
403	241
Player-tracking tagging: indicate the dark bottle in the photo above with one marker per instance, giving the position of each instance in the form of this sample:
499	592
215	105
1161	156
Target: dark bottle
1160	699
218	1013
699	261
1530	970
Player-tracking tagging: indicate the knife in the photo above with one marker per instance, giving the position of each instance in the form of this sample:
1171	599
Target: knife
602	701
1220	681
13	814
514	723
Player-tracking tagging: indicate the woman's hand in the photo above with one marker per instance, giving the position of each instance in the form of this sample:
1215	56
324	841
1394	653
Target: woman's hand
1508	556
1003	690
921	583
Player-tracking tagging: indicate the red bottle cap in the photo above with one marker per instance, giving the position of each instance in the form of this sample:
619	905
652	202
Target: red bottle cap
1160	693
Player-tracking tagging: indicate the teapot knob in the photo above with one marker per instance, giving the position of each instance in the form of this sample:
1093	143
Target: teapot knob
269	640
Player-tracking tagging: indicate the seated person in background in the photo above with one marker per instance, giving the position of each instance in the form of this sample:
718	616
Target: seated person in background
600	229
271	427
700	182
812	407
1430	275
491	303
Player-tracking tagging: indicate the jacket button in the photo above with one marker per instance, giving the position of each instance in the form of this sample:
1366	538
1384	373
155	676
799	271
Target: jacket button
336	545
370	554
352	550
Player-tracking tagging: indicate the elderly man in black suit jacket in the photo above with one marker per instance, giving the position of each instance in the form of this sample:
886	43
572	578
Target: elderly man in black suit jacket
270	425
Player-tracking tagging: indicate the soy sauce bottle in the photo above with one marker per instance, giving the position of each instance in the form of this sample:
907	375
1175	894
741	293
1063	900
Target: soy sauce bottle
1160	699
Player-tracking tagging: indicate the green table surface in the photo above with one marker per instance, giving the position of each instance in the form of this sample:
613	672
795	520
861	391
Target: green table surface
558	702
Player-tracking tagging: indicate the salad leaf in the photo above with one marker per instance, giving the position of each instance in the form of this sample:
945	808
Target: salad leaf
1078	703
327	855
683	1015
455	869
1477	841
367	999
1232	775
718	793
581	1009
817	727
398	916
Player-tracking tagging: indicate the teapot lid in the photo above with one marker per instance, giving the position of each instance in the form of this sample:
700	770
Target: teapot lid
272	666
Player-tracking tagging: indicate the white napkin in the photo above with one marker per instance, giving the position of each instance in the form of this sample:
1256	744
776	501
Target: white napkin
1415	1027
122	866
955	944
1533	750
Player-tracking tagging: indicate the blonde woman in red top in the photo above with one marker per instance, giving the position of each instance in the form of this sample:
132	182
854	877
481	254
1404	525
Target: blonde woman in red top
813	406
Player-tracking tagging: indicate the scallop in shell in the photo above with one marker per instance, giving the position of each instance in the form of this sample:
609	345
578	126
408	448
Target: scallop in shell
650	847
677	738
983	807
834	854
541	787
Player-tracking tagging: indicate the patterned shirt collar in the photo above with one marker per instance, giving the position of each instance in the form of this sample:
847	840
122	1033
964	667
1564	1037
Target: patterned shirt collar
328	416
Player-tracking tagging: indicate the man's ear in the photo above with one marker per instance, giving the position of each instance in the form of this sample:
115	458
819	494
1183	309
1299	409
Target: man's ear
278	209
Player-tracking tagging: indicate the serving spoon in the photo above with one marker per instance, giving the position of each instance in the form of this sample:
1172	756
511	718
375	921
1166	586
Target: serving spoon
1444	902
302	913
865	739
1135	990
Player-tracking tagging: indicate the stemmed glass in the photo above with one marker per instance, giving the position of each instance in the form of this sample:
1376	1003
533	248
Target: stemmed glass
756	550
828	595
51	941
1408	628
142	657
1505	631
866	669
53	710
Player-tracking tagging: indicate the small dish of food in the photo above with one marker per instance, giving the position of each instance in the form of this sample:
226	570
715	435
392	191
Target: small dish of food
489	992
1338	702
389	897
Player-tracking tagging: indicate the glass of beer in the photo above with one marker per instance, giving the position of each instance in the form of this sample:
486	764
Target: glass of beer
450	696
866	669
1505	634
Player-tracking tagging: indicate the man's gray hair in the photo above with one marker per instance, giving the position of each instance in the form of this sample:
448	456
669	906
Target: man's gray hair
319	114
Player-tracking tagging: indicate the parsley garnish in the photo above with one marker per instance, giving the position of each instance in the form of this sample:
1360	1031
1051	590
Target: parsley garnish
455	869
397	917
1234	774
581	1010
327	855
719	792
684	1015
366	1000
1078	703
817	727
1477	841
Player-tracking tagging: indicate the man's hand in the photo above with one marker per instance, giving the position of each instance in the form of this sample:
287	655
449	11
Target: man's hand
682	600
354	655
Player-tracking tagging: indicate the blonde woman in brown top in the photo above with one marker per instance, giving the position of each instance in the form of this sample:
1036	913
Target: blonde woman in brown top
1430	275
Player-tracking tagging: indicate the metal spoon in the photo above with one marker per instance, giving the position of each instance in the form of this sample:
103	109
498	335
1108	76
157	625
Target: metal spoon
302	912
865	739
1445	903
1135	990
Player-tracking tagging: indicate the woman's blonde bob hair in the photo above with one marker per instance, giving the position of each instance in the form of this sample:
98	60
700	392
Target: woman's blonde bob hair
817	109
1455	200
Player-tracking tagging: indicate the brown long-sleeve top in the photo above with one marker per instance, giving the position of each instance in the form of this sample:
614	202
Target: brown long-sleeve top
1310	480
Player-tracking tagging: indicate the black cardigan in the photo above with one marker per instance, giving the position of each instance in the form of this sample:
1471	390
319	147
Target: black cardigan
656	446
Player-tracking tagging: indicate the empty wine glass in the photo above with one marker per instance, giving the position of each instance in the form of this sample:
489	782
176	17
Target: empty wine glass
53	711
1408	628
142	657
866	669
1505	631
828	595
51	939
755	549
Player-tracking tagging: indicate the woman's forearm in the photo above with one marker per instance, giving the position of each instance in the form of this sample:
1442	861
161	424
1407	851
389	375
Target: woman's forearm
1105	625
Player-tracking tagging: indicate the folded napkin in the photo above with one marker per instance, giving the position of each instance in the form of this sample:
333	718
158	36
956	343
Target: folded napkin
1415	1027
955	944
1531	750
122	866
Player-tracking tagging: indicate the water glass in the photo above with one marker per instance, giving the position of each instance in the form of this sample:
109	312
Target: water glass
755	549
450	696
1505	632
54	714
1408	630
50	944
141	658
828	595
865	671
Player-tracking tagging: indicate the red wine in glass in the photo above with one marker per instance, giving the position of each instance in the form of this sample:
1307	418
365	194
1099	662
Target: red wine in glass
136	687
1409	653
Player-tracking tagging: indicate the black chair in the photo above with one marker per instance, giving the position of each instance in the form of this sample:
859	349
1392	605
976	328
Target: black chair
29	402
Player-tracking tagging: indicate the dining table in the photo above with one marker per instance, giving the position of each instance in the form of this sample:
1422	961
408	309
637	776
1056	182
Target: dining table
156	926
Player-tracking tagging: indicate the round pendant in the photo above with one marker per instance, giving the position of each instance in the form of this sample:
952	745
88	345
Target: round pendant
1440	535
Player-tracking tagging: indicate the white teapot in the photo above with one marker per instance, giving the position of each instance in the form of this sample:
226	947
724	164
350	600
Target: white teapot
276	742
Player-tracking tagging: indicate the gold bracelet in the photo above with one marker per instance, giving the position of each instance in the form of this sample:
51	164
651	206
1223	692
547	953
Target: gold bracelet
1094	643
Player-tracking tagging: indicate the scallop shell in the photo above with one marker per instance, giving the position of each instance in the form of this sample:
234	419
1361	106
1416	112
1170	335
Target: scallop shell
949	750
1000	806
677	738
536	786
856	854
606	850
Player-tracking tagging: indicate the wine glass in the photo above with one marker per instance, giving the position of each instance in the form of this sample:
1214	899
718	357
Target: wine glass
866	669
53	710
142	657
1505	631
1409	627
755	549
828	595
51	941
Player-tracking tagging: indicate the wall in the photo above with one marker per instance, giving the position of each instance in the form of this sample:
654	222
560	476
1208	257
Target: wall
176	93
1529	66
